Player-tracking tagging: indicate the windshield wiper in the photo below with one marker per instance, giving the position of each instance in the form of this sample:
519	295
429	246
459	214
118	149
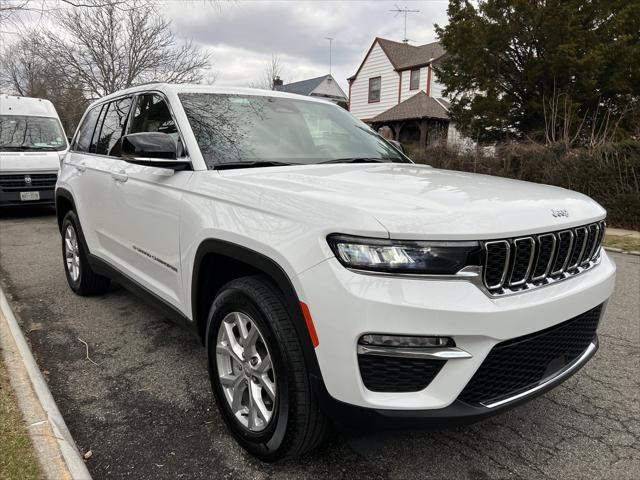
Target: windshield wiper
259	163
34	147
358	160
24	148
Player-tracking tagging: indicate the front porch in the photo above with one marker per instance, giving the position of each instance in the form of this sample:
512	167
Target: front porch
416	134
417	122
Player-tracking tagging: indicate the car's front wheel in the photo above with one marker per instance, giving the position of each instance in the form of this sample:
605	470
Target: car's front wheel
258	372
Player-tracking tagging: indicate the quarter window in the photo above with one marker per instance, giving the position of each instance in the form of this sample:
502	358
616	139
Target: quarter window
85	132
414	82
153	115
93	148
374	89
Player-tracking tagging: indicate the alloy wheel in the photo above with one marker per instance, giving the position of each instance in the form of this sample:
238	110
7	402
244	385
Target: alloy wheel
72	253
245	371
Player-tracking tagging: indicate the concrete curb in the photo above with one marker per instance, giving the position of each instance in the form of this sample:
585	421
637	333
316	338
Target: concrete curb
59	458
619	250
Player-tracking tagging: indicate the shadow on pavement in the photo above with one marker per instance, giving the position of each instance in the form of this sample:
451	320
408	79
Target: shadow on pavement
27	211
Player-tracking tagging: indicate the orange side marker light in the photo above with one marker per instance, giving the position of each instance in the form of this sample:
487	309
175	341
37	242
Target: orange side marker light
310	326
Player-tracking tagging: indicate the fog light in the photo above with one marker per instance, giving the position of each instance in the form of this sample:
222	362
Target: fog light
405	341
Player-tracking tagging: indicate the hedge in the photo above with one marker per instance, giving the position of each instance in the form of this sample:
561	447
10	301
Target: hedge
609	174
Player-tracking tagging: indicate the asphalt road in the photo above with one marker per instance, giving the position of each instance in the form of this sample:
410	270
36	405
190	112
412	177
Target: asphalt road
145	409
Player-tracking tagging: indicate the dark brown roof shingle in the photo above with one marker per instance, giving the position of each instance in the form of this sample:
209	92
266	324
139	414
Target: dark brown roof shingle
419	106
403	55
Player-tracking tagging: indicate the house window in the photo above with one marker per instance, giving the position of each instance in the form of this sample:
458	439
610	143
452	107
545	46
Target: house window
414	82
374	89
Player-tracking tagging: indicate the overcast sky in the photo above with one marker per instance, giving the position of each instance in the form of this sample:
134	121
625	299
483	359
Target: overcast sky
242	35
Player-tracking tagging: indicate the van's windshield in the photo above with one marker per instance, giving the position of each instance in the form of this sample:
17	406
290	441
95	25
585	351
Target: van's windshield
245	130
29	133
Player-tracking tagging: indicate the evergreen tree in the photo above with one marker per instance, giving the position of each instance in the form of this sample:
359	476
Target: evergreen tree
542	69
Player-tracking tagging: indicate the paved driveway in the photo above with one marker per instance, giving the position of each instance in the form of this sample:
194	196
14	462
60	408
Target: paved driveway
146	411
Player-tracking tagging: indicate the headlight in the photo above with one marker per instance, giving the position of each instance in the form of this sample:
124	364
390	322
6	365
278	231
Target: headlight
402	256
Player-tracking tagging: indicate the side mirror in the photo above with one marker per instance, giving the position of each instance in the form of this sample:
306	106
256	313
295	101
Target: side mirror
396	144
153	149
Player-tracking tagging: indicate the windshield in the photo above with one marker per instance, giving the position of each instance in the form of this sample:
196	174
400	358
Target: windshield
22	133
239	129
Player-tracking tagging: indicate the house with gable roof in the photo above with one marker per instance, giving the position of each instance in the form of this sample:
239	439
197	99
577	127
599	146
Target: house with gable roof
323	87
396	86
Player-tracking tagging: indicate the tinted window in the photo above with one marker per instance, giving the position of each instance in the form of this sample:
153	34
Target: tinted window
83	139
115	118
152	115
238	128
93	147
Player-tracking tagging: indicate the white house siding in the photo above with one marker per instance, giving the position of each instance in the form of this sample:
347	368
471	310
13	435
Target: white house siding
406	78
376	65
436	86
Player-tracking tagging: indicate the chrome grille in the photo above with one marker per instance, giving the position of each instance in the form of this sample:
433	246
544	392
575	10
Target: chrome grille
496	263
565	244
544	256
521	263
580	235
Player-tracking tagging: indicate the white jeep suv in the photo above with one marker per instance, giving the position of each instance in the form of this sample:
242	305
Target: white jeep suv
329	276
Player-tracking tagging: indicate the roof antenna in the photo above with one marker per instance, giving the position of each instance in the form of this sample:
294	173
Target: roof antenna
406	11
330	45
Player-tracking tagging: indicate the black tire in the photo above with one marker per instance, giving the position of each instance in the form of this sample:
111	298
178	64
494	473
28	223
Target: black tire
87	282
297	424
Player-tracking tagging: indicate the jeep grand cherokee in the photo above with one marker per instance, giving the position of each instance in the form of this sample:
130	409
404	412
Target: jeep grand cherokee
329	276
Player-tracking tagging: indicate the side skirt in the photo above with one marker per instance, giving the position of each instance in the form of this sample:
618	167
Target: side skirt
107	270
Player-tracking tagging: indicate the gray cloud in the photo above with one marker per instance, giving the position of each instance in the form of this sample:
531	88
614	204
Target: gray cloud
242	35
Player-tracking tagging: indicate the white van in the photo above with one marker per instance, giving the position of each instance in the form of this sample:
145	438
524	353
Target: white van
32	144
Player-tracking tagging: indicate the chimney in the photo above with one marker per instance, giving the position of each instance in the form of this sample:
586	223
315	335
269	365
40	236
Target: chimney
277	83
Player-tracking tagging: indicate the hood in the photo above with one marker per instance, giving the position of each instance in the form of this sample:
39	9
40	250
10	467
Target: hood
421	202
30	161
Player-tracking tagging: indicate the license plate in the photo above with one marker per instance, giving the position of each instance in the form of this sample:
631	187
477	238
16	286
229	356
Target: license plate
28	196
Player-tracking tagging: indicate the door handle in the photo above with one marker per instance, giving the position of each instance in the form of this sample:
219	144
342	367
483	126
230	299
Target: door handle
119	176
80	166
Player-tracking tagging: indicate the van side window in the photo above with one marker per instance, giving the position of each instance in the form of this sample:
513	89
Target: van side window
153	115
110	138
85	132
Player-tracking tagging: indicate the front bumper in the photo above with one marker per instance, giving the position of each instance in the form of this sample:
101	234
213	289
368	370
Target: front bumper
12	184
345	305
12	199
458	413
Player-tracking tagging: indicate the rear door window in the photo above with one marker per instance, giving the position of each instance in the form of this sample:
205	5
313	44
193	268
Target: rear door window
114	120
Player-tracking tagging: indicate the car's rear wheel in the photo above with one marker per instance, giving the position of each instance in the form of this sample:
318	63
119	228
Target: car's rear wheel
258	372
80	277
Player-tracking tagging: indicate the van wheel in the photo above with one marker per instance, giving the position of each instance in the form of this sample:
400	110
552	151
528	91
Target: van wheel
80	277
258	373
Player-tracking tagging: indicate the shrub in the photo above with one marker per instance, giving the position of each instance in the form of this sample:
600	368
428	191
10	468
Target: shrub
609	174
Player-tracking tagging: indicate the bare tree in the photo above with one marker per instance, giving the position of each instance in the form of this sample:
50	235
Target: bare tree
10	10
23	70
273	70
107	48
26	72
